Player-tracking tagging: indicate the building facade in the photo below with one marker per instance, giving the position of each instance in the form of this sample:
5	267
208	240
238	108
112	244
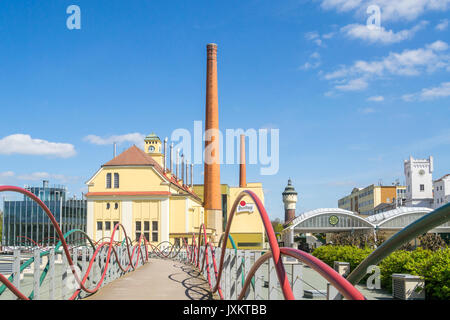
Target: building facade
135	190
365	200
441	191
419	182
247	228
26	224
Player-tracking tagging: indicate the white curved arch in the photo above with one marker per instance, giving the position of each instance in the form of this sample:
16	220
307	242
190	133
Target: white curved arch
381	218
329	211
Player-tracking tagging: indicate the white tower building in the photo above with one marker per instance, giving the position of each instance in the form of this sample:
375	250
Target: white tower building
442	191
419	182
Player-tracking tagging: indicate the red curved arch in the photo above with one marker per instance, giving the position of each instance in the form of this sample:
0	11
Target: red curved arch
193	253
136	249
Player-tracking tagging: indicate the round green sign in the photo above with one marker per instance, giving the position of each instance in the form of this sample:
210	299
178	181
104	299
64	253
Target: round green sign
333	220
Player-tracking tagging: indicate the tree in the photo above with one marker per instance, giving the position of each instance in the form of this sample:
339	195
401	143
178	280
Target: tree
431	241
277	225
361	239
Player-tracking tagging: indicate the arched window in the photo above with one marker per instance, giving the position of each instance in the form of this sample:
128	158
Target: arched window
108	205
108	181
116	180
116	206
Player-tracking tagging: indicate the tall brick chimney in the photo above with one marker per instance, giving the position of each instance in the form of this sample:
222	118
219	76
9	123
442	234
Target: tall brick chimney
242	173
212	195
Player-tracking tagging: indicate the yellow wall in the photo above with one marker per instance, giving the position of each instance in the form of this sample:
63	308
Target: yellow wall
102	214
177	215
147	211
242	239
130	179
246	222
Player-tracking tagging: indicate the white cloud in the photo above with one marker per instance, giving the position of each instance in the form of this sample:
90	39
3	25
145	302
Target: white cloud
406	63
441	91
390	9
6	174
376	99
438	46
24	144
314	62
366	110
135	138
37	176
353	85
328	35
379	35
315	37
443	25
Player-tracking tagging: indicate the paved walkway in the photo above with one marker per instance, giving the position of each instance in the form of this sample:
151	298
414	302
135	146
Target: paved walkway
158	280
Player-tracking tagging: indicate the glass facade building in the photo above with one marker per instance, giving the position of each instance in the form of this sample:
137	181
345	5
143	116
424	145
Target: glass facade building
26	224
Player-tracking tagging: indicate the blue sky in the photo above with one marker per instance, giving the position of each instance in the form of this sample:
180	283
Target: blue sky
351	104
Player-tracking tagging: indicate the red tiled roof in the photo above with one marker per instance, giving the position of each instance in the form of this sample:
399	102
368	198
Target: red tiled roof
134	156
442	178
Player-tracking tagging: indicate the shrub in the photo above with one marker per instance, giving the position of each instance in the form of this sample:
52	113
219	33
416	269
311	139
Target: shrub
433	266
351	254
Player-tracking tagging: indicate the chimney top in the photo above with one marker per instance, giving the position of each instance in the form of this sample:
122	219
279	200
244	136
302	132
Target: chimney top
211	48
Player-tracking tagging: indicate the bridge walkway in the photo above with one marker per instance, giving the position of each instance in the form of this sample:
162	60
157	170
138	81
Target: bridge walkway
158	280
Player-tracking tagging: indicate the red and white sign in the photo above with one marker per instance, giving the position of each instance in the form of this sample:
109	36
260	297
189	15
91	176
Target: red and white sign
245	207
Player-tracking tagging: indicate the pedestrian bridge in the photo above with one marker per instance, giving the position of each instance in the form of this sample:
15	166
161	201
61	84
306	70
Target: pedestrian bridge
196	270
159	279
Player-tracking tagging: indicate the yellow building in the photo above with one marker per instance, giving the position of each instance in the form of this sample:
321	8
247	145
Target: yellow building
364	200
247	228
133	189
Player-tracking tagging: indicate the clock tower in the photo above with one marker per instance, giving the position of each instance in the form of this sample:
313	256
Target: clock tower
153	148
419	182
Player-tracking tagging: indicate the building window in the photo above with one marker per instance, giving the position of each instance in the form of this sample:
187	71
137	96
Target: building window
138	228
107	225
116	205
115	223
116	180
99	225
155	231
422	187
108	181
147	230
108	205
